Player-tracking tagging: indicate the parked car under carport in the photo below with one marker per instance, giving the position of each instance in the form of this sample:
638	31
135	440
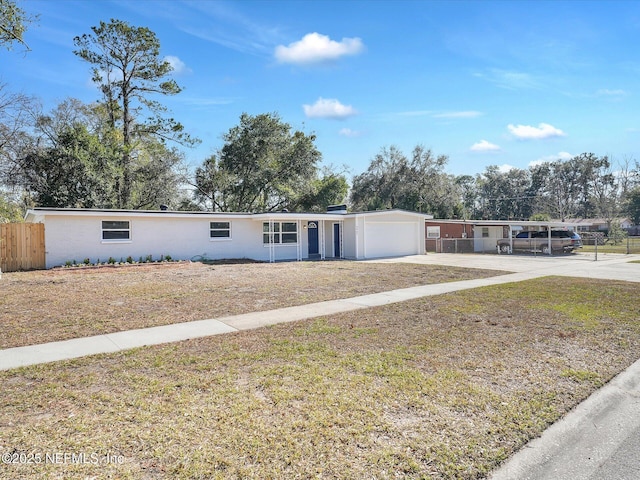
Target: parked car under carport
543	241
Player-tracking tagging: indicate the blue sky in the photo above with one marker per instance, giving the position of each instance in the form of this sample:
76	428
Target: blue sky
502	83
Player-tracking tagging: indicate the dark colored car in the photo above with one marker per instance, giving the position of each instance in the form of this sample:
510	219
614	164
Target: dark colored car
538	241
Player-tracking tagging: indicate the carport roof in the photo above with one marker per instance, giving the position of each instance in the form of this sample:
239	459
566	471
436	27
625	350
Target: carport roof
511	223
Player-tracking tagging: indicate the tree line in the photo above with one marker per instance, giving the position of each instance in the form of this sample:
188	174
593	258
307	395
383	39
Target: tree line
121	151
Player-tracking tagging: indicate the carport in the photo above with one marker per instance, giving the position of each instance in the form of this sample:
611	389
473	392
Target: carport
481	236
535	226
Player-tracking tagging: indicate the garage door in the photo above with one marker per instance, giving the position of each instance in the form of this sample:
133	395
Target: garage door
391	239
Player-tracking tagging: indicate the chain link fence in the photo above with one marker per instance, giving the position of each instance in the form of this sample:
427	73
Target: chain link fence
604	244
486	245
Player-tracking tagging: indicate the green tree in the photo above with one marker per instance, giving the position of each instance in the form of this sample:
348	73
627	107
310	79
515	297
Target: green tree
158	176
212	185
505	194
632	205
10	210
263	166
540	217
74	161
419	183
13	24
72	172
129	71
330	189
466	185
562	191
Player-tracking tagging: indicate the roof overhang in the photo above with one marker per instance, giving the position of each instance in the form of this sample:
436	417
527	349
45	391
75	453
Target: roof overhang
512	223
33	214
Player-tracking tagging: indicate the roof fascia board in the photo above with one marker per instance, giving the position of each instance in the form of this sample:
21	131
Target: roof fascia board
44	212
496	223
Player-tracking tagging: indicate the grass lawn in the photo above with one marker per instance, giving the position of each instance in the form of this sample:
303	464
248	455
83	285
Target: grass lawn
630	245
441	387
59	304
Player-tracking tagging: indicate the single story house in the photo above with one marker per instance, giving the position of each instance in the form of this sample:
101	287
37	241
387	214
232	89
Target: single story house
599	224
97	234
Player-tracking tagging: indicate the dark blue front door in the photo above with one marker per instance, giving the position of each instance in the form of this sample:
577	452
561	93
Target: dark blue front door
312	228
336	240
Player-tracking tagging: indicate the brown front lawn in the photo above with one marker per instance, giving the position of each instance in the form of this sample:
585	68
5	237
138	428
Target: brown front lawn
440	387
59	304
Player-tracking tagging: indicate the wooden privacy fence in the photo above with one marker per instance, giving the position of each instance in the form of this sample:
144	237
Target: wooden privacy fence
22	246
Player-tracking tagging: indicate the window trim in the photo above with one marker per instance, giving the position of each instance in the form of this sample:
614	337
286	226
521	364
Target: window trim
279	233
115	240
220	239
433	232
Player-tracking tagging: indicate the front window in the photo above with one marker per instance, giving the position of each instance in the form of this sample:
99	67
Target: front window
219	230
116	230
280	233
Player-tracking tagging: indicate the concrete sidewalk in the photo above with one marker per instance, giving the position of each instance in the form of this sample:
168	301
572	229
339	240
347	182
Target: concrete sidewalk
599	439
614	267
118	341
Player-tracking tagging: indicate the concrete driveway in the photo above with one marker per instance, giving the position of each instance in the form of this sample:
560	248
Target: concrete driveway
608	266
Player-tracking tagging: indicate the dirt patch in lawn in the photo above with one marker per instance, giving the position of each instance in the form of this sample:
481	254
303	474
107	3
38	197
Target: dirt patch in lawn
60	304
440	387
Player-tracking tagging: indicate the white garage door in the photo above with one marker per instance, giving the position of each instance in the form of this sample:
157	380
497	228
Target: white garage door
391	239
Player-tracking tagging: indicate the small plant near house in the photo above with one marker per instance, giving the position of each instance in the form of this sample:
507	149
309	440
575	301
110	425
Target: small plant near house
167	258
68	263
111	261
149	259
87	261
616	234
129	259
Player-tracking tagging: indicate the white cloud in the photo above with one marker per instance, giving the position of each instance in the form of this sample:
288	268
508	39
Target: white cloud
317	48
485	146
178	65
415	113
464	114
510	80
605	92
328	108
543	130
207	101
347	132
505	168
551	158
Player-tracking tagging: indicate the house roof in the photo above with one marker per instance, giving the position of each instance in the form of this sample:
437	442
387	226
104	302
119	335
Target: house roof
597	221
36	212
